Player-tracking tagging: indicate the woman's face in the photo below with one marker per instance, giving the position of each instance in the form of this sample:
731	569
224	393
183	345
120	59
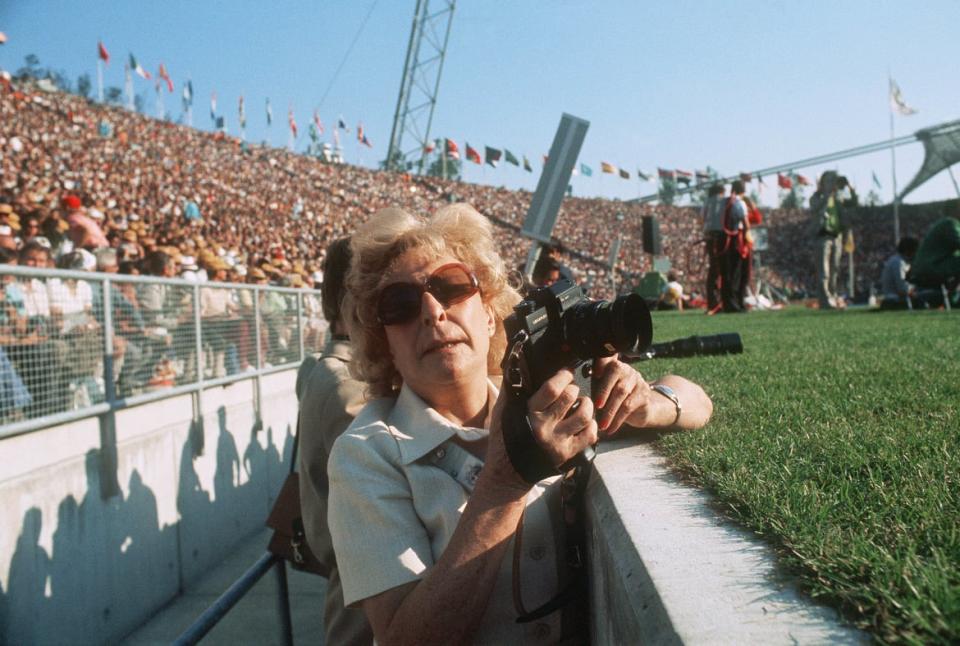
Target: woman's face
442	346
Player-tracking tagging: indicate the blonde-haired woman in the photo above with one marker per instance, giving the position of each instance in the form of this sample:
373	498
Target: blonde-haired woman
423	498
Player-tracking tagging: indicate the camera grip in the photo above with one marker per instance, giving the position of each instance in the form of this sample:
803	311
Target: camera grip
527	457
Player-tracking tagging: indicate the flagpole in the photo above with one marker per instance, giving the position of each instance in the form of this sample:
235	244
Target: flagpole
893	172
159	101
129	86
99	79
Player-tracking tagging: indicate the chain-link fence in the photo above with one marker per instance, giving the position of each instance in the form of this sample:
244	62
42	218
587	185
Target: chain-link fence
75	343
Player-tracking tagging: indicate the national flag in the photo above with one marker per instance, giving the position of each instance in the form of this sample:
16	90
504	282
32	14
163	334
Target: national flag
187	94
135	66
586	171
684	176
803	181
430	146
242	113
526	165
644	177
162	73
876	181
451	149
103	53
213	106
746	177
702	176
342	124
473	155
608	168
624	174
366	142
269	113
510	157
492	155
666	174
783	181
221	124
292	122
896	100
317	122
360	131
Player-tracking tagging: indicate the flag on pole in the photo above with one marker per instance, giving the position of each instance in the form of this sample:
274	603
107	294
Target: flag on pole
876	181
684	176
213	106
221	123
586	171
644	177
360	131
343	124
451	148
135	66
317	122
784	182
803	181
103	53
510	157
187	94
366	142
624	174
607	168
666	174
242	113
473	155
292	122
162	73
430	146
897	104
269	113
492	155
526	165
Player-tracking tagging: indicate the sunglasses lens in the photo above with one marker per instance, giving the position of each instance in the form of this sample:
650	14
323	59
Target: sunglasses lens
451	285
399	303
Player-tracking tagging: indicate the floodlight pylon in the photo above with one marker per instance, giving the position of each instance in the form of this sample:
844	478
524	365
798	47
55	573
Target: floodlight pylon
419	86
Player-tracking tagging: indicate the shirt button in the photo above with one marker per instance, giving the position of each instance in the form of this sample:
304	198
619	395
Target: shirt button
538	552
441	452
541	631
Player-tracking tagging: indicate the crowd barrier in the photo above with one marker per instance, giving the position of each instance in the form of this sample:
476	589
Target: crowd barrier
75	344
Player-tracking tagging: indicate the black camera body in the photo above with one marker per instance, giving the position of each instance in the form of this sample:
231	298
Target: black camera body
558	327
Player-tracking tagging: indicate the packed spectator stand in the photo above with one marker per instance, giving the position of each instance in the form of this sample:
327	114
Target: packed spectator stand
106	189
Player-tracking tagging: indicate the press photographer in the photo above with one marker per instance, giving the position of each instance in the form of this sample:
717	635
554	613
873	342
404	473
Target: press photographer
423	468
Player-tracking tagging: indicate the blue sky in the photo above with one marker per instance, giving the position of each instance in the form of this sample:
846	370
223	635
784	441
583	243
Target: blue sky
736	85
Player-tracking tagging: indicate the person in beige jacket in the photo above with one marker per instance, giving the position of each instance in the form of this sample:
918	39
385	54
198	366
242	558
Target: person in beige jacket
329	400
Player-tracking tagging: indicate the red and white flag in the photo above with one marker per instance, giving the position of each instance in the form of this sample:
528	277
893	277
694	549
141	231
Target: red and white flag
103	53
473	155
292	122
162	73
317	122
452	150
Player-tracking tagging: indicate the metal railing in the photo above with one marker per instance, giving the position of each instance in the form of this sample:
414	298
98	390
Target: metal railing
74	344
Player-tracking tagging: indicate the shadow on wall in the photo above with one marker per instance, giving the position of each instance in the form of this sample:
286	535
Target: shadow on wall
112	565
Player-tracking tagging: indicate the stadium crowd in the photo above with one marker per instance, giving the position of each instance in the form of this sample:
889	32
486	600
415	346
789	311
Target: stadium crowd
92	187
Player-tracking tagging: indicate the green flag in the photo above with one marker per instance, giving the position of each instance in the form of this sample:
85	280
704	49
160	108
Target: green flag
526	165
586	171
510	157
492	156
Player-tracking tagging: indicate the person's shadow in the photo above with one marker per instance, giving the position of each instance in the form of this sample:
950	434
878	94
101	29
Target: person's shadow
226	479
27	584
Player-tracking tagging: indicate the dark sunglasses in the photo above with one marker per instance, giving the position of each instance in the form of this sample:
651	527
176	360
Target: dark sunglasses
450	284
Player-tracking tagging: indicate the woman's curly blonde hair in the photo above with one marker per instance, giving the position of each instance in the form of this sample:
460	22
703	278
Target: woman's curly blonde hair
458	231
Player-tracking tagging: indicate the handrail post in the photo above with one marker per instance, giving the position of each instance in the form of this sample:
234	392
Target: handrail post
198	434
283	602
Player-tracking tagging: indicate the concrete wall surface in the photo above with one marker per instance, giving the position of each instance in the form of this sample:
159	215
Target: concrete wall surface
78	566
667	569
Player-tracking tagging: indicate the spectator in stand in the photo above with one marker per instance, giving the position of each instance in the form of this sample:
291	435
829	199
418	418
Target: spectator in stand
712	214
84	232
937	261
897	292
14	396
329	400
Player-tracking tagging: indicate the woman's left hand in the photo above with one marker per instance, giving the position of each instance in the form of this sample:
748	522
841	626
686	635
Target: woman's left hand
620	394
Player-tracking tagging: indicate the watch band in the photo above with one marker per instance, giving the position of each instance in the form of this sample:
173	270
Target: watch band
668	392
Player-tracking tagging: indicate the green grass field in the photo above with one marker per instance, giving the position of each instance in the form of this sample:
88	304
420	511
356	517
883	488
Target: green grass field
836	436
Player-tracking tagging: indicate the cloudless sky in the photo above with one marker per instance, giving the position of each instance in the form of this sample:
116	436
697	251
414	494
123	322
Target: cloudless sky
738	85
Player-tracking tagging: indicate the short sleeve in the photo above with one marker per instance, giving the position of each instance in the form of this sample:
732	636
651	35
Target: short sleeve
379	541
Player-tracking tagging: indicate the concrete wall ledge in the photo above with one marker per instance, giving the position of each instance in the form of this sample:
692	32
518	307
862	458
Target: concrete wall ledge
667	569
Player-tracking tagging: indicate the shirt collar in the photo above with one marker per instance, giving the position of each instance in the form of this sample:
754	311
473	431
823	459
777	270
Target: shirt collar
423	428
337	348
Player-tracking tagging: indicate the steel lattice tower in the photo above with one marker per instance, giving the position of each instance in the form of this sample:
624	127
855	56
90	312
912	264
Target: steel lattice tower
420	84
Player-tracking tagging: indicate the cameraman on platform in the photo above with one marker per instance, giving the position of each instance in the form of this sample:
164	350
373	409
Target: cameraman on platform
424	469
